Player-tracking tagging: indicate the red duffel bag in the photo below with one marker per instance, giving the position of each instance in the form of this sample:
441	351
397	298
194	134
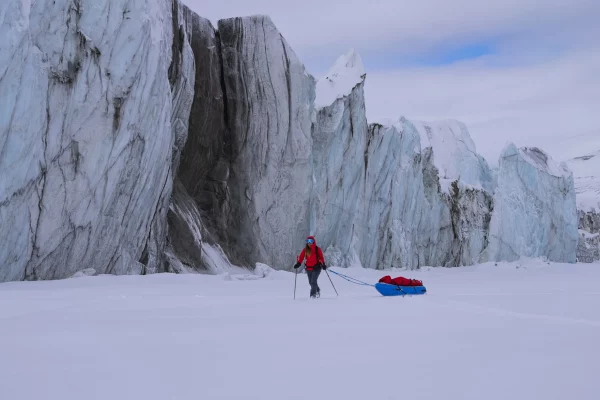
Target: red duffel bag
401	281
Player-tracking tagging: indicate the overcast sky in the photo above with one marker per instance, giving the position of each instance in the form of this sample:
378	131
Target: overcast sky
526	71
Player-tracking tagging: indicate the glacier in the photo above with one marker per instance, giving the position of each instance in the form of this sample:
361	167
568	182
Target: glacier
339	134
534	208
269	100
135	138
377	200
415	220
587	188
86	136
455	154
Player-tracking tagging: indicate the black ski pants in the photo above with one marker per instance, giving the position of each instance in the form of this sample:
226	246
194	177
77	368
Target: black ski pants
312	280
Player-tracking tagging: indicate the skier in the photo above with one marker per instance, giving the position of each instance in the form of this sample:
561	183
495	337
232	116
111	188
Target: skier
314	263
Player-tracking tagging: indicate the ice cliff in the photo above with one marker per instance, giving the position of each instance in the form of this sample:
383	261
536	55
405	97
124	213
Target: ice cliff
136	138
534	208
93	107
455	155
337	171
586	170
270	99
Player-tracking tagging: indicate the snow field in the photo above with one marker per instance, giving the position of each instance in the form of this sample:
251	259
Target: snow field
522	330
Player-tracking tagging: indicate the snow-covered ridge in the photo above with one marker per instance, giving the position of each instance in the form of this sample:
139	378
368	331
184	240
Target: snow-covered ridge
347	72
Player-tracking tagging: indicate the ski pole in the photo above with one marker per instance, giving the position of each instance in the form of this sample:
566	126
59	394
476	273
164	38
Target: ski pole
295	276
337	294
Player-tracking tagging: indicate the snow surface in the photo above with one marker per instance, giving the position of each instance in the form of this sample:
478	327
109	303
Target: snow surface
523	330
347	72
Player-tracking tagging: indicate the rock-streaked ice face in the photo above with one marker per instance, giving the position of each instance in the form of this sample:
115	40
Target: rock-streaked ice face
85	136
586	171
269	101
107	105
393	198
338	171
534	208
377	199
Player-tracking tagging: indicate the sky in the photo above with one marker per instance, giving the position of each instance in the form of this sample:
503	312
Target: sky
526	71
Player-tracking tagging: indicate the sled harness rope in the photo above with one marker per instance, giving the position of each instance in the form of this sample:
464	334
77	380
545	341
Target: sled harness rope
351	279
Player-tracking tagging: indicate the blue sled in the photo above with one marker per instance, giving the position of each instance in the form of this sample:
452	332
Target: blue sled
393	290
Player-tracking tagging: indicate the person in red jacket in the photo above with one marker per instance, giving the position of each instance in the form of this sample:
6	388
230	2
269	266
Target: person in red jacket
314	263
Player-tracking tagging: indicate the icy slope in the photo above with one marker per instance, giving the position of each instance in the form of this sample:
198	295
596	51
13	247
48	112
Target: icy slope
534	208
86	137
347	72
523	330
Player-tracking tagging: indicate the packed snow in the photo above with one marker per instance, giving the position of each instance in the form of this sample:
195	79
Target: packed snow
522	330
347	72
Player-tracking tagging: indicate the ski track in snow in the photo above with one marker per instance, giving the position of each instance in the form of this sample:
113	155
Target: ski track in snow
523	330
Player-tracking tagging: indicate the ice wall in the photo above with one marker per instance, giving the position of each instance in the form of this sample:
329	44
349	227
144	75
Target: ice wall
340	136
378	200
86	133
136	138
269	101
534	208
586	171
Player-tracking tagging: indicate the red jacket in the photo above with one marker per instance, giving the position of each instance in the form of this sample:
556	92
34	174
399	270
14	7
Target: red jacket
312	260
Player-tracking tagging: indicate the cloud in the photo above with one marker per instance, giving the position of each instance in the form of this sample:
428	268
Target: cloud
518	70
318	27
542	104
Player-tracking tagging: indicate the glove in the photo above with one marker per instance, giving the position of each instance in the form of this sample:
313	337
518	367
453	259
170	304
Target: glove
297	266
324	267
